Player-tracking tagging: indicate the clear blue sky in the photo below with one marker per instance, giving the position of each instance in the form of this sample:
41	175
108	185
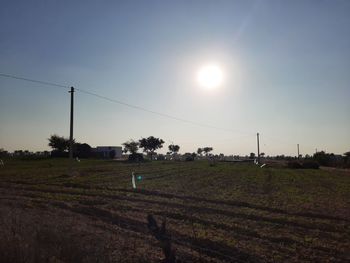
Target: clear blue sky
286	67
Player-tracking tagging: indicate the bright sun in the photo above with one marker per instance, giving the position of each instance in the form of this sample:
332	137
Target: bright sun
210	76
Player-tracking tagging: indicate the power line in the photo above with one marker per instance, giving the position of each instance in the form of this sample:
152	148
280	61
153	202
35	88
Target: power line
34	81
159	113
125	104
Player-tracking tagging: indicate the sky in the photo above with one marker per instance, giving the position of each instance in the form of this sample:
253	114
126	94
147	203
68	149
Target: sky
286	68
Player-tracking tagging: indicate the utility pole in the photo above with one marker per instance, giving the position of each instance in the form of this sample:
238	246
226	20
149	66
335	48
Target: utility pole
71	143
298	150
257	137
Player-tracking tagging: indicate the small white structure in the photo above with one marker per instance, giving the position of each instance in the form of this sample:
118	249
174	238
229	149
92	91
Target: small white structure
107	151
133	181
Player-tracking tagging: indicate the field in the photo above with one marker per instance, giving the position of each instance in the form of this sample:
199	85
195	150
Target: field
51	212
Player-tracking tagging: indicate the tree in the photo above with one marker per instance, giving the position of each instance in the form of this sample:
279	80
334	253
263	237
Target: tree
131	146
173	149
200	151
252	156
150	145
207	150
58	143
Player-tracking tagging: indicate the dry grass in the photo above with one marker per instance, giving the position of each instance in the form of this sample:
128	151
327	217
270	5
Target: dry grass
222	213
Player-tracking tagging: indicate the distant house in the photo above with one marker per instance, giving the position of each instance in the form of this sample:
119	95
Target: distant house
108	151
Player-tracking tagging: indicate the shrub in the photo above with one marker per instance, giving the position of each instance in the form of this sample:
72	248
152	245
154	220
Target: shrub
294	165
135	157
160	157
303	165
310	165
57	154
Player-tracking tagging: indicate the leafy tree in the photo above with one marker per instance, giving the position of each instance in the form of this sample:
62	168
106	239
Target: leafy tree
58	143
307	156
206	150
200	151
131	146
173	149
150	145
252	156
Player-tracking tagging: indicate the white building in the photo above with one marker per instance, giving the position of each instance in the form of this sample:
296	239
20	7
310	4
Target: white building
107	151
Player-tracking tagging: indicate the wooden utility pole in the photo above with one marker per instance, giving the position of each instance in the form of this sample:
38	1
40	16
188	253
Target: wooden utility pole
71	142
257	137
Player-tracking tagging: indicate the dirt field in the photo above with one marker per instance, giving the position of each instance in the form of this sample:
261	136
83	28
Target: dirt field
222	213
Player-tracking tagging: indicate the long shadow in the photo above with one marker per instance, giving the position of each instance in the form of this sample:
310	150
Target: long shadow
235	229
234	203
240	231
183	197
205	210
213	249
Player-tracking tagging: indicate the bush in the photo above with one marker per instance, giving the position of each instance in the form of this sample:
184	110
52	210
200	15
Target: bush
135	157
294	165
189	159
303	165
310	165
160	157
57	154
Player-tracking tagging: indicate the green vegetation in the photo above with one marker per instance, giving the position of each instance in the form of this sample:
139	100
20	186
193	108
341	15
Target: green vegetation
227	212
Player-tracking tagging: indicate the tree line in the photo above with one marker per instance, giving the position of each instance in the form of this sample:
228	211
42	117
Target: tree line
149	146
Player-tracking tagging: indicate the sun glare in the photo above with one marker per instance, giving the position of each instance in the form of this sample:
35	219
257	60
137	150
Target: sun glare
210	76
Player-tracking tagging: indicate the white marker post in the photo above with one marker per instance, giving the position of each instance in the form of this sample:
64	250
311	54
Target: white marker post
133	182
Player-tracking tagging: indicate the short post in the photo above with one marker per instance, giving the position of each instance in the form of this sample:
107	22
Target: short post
133	181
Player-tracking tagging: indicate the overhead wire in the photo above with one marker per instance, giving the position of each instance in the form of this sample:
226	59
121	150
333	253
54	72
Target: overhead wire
159	113
126	104
140	108
33	80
